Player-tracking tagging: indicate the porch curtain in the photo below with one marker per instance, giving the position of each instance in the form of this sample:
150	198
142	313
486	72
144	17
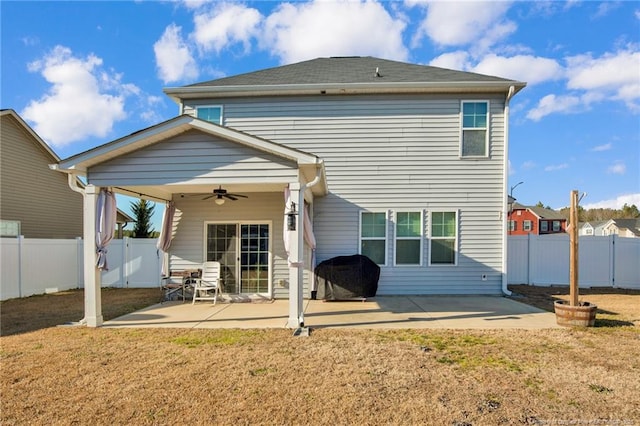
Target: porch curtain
106	211
166	235
309	237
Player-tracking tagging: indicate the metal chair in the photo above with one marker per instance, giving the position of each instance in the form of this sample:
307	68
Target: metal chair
207	283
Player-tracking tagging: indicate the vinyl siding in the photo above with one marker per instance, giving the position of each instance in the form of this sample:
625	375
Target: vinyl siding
188	246
193	158
393	153
38	197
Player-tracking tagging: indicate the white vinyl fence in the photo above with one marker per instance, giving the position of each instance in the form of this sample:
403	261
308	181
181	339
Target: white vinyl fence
36	266
543	260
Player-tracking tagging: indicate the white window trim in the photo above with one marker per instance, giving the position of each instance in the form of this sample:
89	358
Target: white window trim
525	227
488	128
386	233
395	238
456	237
212	106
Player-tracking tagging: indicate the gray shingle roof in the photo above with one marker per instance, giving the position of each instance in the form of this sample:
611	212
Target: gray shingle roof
351	70
541	212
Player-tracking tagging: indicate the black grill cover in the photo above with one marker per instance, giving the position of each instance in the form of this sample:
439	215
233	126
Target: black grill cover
347	277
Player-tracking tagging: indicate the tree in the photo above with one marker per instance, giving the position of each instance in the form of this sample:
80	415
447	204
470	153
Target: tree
142	211
630	211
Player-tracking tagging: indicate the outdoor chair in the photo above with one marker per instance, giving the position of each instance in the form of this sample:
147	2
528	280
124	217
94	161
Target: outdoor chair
208	283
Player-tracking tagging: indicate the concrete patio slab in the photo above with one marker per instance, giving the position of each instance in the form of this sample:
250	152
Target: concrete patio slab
382	312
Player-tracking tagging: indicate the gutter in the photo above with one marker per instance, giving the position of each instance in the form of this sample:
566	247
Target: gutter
505	201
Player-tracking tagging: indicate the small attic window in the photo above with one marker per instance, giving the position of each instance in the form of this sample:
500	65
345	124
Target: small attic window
211	113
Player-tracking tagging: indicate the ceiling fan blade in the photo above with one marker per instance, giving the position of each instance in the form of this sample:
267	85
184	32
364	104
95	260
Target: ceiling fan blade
230	196
239	195
208	196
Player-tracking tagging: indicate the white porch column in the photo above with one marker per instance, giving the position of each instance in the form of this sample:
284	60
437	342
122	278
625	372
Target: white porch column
92	279
296	260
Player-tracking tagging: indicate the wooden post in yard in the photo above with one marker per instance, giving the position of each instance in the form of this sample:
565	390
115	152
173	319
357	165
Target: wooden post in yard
573	256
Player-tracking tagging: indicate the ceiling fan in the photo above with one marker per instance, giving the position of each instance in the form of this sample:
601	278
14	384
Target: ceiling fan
221	194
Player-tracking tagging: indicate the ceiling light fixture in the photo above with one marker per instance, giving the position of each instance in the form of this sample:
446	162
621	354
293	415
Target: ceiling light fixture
219	201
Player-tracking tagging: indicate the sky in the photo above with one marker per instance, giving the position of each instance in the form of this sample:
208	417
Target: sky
85	73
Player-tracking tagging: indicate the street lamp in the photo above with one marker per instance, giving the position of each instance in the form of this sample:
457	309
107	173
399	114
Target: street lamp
514	187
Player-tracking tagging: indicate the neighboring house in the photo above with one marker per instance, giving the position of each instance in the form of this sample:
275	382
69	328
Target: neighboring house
536	220
592	228
35	202
403	163
629	228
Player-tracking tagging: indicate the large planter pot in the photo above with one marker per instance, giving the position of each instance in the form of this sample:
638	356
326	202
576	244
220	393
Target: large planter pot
583	315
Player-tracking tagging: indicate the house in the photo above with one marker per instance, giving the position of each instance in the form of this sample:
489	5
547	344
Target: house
35	202
536	220
403	163
592	228
629	228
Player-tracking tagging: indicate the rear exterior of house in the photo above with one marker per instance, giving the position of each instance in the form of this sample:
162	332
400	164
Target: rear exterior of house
416	176
403	163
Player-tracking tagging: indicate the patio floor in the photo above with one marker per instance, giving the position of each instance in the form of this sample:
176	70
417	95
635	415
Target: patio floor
453	312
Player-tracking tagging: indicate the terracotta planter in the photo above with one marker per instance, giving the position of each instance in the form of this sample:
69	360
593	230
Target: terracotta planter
583	315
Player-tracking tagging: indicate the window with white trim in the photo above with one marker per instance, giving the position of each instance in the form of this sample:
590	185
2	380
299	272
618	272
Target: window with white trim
544	226
512	225
443	239
474	138
212	113
408	238
373	236
527	225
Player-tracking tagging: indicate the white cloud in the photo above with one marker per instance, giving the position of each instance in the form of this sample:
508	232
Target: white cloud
225	25
173	57
618	168
612	76
78	104
615	203
530	69
552	104
556	167
477	23
603	147
528	165
453	60
295	32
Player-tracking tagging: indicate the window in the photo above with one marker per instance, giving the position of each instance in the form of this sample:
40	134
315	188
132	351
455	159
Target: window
474	137
408	244
443	229
512	225
589	231
527	225
210	113
373	236
544	226
556	226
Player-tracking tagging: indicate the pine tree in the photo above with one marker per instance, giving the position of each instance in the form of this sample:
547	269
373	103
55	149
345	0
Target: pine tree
142	211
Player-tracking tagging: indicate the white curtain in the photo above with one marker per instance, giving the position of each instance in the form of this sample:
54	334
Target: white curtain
106	211
166	234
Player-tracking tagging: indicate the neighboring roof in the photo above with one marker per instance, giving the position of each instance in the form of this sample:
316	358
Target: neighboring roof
122	217
541	212
81	162
632	225
339	75
42	143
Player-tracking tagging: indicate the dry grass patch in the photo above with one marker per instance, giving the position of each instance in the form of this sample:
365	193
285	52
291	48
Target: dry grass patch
369	377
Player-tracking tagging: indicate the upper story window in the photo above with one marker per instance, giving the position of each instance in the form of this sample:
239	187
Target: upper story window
444	238
475	129
211	113
408	243
373	236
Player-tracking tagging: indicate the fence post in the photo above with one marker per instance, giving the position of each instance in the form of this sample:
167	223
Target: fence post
20	256
125	262
79	264
613	260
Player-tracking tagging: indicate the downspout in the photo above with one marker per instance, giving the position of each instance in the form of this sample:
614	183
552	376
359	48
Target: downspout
505	203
